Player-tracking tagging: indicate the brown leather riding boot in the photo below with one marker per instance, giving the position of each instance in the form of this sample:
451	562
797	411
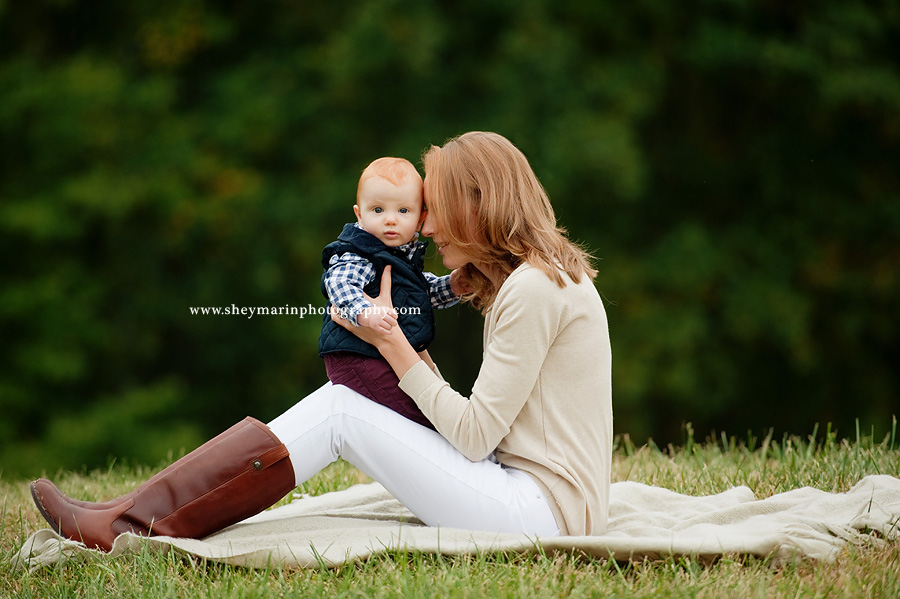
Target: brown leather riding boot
231	477
47	488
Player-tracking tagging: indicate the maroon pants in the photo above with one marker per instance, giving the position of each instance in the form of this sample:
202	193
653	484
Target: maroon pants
373	378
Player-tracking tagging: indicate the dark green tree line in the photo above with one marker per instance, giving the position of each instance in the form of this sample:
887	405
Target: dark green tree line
732	165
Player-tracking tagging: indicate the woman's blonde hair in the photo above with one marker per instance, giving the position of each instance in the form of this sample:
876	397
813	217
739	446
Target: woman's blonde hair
488	202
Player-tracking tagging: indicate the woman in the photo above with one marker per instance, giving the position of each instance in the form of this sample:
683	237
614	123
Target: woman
528	452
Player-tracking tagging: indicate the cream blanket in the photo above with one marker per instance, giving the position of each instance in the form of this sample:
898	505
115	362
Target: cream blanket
644	523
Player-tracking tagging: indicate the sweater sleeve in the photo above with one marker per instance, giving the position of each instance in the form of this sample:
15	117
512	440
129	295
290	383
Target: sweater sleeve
525	321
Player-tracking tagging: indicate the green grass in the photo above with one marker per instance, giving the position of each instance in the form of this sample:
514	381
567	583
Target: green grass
767	466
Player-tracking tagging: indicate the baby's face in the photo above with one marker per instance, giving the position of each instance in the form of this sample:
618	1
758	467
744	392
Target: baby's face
392	213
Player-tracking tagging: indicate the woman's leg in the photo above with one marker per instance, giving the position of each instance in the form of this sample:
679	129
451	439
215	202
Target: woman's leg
231	477
417	465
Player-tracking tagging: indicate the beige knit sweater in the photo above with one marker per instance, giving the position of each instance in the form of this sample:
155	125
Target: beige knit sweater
543	398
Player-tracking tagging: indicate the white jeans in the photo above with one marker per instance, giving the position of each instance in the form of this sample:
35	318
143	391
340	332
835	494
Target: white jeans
415	464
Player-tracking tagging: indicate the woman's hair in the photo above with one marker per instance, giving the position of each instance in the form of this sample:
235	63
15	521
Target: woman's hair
488	202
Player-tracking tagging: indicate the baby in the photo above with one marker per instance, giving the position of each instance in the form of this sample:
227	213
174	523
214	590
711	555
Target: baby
389	212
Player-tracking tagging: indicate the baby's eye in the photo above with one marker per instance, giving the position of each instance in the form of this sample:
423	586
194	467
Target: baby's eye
378	210
404	210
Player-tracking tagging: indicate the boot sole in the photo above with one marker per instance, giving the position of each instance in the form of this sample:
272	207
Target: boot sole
40	506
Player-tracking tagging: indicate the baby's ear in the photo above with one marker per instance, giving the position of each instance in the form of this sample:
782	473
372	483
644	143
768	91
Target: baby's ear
356	211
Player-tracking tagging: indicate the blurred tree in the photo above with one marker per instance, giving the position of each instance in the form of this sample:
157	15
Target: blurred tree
732	164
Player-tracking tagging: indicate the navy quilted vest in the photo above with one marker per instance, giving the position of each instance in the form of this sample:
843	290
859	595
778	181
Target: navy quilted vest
409	289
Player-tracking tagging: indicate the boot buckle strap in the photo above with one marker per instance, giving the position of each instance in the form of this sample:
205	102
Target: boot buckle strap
272	456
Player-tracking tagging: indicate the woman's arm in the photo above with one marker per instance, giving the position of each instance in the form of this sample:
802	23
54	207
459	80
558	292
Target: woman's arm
523	324
526	322
426	357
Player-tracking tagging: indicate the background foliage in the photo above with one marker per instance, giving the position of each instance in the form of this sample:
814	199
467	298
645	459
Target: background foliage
731	163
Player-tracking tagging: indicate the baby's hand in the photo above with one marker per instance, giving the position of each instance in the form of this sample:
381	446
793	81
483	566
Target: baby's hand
459	284
379	318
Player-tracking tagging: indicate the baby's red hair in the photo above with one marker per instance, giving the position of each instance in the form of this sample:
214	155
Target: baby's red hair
394	170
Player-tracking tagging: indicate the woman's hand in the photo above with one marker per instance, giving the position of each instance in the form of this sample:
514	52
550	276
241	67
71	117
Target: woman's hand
383	307
393	344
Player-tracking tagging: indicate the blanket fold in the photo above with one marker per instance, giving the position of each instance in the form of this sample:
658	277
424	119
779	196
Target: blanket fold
645	522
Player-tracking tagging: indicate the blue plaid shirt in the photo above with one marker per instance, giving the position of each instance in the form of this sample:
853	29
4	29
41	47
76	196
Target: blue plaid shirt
348	273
